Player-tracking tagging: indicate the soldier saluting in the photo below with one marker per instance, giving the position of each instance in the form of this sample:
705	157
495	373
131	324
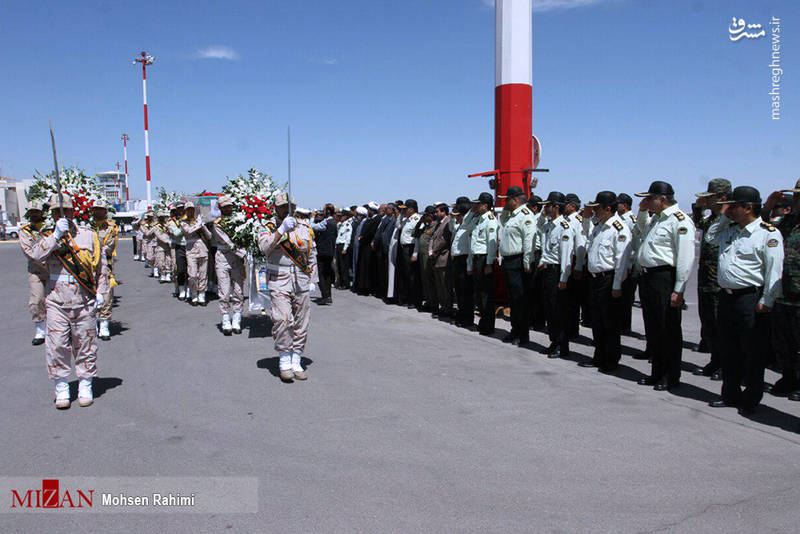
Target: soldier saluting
750	268
666	256
77	284
291	261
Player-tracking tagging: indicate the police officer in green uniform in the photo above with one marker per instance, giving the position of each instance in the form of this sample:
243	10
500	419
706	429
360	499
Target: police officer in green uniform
749	273
786	313
481	259
719	189
516	249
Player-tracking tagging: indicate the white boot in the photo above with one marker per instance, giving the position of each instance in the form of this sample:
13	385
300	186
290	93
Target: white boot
285	366
201	298
62	394
226	324
237	323
38	337
182	292
155	272
104	333
169	277
85	396
299	373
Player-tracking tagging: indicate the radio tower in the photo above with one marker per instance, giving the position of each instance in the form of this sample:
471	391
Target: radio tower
145	59
125	139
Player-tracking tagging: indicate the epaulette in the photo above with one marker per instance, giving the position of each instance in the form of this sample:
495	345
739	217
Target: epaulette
491	217
579	217
565	224
679	215
768	226
525	211
617	225
217	220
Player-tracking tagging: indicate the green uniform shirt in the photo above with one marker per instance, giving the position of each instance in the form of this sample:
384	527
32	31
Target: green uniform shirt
484	239
516	234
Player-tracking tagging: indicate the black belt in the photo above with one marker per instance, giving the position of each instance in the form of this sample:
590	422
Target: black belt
480	255
743	290
602	274
551	265
660	268
512	257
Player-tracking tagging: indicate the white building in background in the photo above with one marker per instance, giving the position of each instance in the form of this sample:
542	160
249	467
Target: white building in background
112	187
13	202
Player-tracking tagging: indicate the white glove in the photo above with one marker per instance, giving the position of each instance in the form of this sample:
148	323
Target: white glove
99	300
287	225
62	227
312	287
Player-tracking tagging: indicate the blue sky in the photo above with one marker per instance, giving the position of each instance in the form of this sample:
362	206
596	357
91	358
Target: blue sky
394	99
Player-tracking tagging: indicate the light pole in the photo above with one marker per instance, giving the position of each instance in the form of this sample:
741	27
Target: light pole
145	59
125	157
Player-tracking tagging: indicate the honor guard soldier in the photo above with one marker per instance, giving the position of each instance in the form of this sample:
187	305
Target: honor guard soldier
230	268
196	255
76	267
148	239
516	248
608	256
163	247
481	259
178	250
666	256
708	289
750	268
558	241
291	261
786	314
29	235
107	234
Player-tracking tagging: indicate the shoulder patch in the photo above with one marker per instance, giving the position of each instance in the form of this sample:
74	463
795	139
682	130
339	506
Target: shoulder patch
528	222
683	230
772	242
621	238
565	224
579	217
768	227
680	216
565	237
525	211
617	225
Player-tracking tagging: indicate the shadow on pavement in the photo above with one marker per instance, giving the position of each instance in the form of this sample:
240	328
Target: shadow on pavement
271	364
257	325
99	386
116	328
767	415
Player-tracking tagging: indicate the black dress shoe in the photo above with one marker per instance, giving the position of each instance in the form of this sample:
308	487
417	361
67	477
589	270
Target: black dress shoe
794	395
665	386
747	410
783	386
554	352
717	376
523	341
508	338
586	364
486	332
647	381
641	356
607	370
37	341
719	403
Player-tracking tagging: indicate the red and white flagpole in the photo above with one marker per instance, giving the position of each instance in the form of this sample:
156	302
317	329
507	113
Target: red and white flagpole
125	158
513	94
146	59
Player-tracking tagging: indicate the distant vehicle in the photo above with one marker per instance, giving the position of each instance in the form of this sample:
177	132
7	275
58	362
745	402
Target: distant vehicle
12	231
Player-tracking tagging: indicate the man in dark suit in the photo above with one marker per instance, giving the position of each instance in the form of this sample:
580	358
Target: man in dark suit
325	237
381	269
366	255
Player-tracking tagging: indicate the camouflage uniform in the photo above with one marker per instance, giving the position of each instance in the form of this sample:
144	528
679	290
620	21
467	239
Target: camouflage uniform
786	315
229	265
29	235
289	288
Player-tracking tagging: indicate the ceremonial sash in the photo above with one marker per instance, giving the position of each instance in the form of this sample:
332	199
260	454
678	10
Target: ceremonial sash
81	263
113	231
292	250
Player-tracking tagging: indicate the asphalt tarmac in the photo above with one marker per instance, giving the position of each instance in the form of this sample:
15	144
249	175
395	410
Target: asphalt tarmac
406	424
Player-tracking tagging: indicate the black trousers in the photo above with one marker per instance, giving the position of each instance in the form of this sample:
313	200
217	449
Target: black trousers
533	292
180	264
575	288
606	320
628	296
133	241
708	309
786	337
343	266
463	285
409	290
382	274
325	264
556	306
662	324
515	284
484	292
744	335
